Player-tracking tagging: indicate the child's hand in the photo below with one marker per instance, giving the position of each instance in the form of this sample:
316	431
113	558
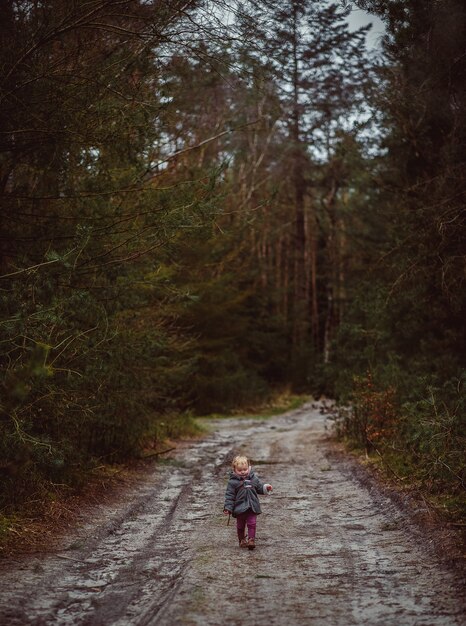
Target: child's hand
226	512
268	488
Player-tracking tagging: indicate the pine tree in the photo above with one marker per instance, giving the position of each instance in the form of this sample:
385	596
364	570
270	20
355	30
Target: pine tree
319	69
406	321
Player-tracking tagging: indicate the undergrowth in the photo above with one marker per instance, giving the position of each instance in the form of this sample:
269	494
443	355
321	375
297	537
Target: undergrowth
420	444
281	402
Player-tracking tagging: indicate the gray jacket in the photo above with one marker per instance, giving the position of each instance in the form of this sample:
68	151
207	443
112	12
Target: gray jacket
241	493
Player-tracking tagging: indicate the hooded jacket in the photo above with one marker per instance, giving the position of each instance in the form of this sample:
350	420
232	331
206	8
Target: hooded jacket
241	493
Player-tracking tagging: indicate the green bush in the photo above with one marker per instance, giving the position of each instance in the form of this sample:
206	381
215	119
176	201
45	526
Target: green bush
433	433
425	439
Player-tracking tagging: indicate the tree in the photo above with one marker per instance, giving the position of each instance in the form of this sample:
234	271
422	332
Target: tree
319	68
406	321
88	358
422	182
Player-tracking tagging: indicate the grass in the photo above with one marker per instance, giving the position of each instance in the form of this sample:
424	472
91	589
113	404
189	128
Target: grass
7	524
453	507
281	403
176	426
403	472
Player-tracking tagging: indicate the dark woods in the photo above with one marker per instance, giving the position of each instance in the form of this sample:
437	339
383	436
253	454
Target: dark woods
202	204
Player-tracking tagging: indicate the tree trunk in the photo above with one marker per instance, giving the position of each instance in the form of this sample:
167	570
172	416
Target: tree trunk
300	322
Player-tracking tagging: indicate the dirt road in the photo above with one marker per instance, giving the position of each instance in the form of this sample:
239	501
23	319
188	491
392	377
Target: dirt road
330	550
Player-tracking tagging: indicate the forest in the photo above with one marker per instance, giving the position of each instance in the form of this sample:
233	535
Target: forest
207	202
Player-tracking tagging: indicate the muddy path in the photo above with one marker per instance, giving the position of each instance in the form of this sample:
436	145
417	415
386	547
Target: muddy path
331	550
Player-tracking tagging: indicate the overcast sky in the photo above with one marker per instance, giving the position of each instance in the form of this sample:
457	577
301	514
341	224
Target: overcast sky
358	18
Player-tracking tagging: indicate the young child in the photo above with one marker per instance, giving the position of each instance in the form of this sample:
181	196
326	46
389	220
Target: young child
241	499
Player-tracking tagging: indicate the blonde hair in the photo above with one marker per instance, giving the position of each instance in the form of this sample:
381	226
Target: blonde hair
239	460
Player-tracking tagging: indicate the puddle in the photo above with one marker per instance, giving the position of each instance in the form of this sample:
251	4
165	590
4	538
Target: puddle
329	552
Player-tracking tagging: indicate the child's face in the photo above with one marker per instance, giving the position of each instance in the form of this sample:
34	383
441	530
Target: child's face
242	469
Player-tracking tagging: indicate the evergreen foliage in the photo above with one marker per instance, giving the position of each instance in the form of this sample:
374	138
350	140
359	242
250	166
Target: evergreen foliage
405	324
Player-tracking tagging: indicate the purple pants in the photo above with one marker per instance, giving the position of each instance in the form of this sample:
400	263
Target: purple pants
248	518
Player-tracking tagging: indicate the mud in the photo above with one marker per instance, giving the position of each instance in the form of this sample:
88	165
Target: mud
331	548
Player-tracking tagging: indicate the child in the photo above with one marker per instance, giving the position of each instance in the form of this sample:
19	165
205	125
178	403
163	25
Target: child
241	499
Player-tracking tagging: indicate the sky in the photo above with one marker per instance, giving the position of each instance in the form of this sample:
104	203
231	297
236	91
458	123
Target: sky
358	18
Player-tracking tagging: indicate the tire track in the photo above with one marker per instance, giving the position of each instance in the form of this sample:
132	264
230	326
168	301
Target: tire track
332	550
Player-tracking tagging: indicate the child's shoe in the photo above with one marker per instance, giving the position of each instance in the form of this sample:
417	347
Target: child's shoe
243	543
251	544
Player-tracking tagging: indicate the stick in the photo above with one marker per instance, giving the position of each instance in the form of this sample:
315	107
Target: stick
151	454
69	558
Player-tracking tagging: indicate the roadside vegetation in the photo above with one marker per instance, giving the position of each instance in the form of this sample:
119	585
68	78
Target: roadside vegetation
400	360
279	403
418	445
